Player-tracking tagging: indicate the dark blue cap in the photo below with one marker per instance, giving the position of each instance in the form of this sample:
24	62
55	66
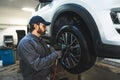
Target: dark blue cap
37	20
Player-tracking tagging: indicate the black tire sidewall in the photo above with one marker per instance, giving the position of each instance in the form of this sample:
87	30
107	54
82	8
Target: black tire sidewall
81	67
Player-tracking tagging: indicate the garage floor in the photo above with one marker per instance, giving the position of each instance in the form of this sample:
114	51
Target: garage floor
100	71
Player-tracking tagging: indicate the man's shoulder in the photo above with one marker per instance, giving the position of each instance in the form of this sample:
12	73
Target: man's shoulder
28	39
24	40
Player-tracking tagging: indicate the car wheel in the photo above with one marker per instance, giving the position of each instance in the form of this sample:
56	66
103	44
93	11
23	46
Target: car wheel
75	53
76	56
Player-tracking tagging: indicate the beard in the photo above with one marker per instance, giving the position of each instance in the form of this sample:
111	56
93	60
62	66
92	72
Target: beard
41	32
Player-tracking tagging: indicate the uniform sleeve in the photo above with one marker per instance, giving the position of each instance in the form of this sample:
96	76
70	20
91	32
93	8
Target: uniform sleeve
28	53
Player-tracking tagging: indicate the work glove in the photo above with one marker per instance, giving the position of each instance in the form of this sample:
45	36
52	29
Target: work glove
51	48
57	49
59	53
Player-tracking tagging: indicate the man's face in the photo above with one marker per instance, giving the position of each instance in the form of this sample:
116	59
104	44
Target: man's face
41	29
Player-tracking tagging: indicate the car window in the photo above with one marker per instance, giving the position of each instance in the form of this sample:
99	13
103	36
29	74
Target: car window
40	5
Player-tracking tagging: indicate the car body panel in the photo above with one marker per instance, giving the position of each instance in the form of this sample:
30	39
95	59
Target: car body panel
100	12
109	39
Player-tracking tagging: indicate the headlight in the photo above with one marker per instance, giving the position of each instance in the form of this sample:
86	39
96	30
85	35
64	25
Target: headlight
118	14
115	15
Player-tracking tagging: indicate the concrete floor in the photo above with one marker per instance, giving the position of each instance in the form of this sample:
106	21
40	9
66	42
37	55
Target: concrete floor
98	72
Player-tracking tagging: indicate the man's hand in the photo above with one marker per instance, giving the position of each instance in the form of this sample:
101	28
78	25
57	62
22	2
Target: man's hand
57	49
59	54
51	48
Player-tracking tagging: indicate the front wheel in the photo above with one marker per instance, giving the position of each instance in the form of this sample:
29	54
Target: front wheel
76	56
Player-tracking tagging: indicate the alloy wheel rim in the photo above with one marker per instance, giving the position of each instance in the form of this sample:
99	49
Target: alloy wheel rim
71	49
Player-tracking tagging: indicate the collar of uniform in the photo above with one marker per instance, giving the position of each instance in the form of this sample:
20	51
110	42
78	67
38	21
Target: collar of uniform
34	37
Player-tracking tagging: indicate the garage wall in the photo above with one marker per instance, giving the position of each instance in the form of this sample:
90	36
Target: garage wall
10	30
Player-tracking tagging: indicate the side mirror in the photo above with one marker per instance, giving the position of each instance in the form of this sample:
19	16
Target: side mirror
43	1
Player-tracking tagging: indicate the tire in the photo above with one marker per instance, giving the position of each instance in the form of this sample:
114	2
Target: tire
76	56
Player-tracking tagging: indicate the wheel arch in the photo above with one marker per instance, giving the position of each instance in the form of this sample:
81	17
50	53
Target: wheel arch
84	15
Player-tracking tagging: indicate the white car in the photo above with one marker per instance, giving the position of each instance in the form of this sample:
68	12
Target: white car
85	29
